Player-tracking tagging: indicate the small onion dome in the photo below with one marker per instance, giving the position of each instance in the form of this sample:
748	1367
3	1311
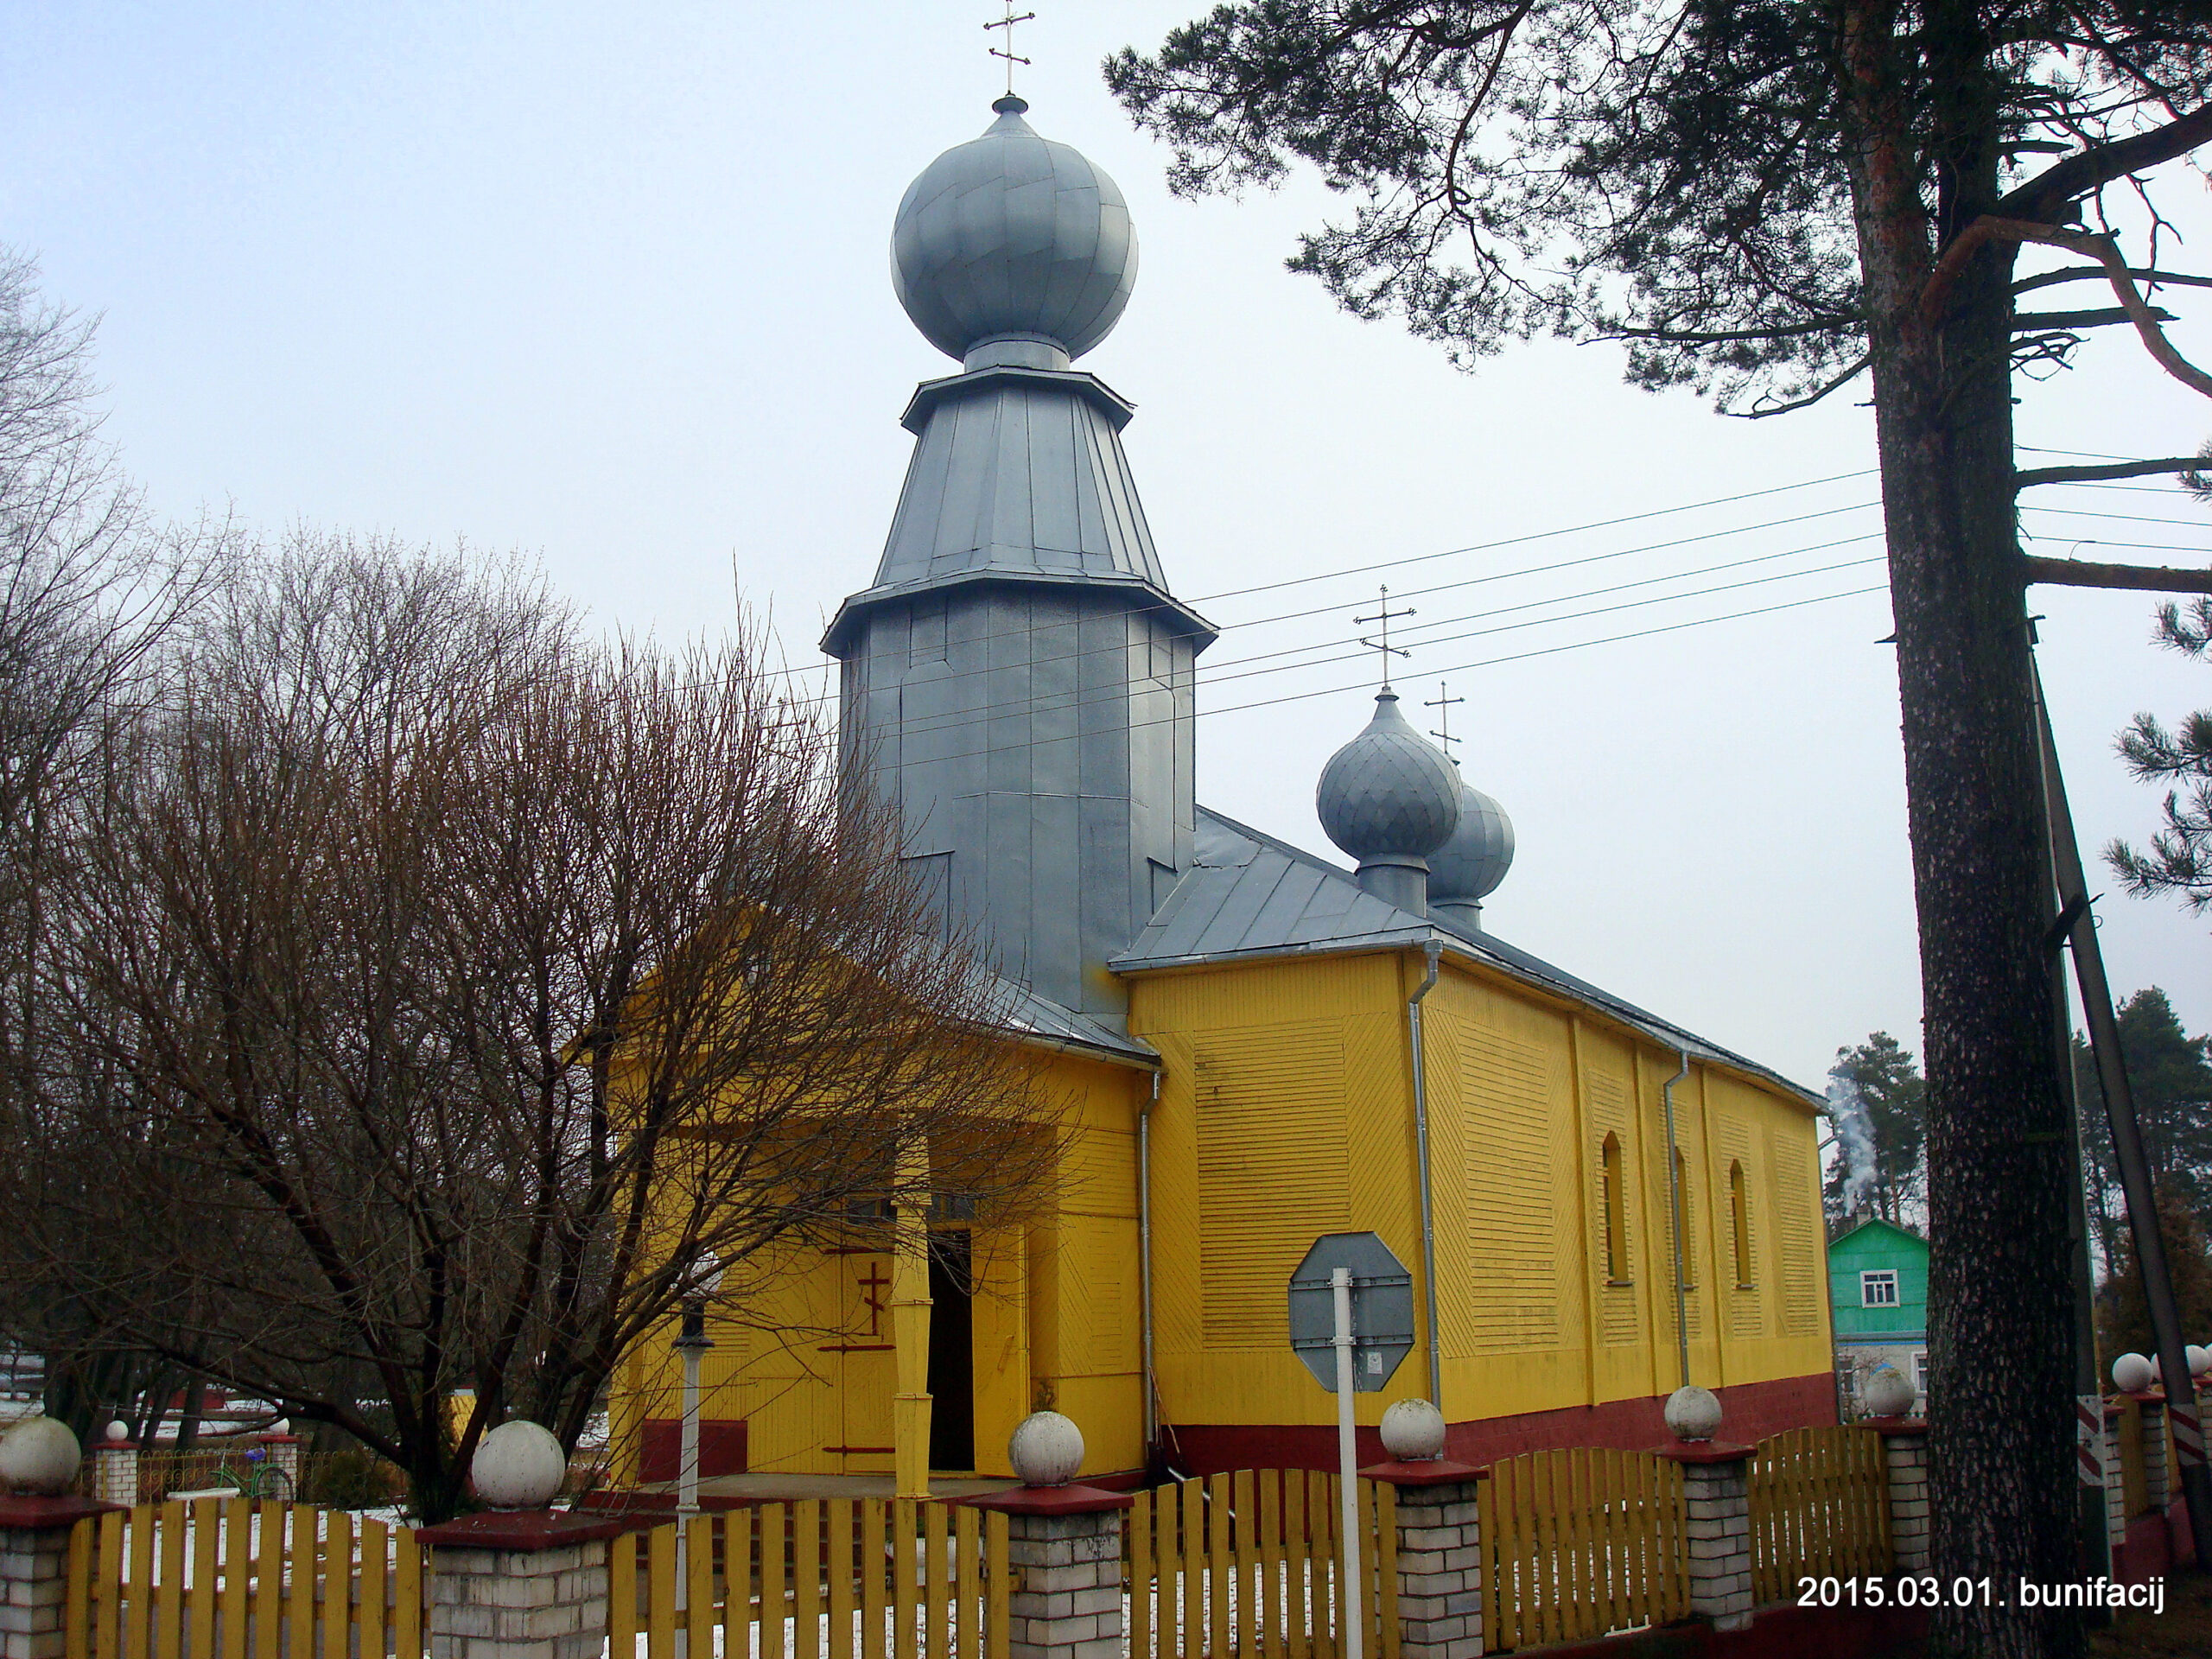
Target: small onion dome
1389	793
1468	867
1012	235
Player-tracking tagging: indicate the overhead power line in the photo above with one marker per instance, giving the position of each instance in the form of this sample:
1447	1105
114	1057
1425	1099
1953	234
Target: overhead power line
1487	662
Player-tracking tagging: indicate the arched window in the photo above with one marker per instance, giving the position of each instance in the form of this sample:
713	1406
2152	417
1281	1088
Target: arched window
1740	1224
1683	1212
1611	1198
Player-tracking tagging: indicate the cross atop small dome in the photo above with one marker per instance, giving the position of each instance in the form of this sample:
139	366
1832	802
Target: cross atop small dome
1389	798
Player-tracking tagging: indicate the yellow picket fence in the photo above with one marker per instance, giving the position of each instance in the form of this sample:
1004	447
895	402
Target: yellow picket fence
1580	1542
1249	1563
868	1578
242	1579
1819	1507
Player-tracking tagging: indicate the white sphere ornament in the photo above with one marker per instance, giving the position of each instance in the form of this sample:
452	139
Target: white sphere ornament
2200	1361
2131	1373
1045	1449
117	1431
1887	1393
518	1465
1413	1430
1693	1413
39	1455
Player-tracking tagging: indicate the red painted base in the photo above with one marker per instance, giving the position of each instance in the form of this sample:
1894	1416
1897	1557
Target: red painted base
2153	1544
723	1448
1751	1412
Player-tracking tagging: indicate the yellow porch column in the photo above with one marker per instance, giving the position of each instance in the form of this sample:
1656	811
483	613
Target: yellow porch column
909	1326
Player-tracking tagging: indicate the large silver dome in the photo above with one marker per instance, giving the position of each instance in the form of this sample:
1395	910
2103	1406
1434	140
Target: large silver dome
1468	867
1012	234
1389	793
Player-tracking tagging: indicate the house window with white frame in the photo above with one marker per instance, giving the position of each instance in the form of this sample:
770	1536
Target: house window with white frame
1878	1288
1920	1369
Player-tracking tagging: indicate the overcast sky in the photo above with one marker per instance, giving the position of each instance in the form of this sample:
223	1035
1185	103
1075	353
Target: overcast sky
607	283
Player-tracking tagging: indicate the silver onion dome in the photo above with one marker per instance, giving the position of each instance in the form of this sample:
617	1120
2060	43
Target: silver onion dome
1389	798
1012	236
1467	868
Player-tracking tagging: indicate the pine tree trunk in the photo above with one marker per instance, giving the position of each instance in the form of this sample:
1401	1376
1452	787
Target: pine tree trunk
2000	1306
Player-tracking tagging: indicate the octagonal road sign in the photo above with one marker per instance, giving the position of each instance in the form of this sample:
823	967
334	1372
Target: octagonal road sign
1382	1309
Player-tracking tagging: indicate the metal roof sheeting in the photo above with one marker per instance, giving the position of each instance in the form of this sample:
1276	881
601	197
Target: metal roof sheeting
1247	894
1023	1012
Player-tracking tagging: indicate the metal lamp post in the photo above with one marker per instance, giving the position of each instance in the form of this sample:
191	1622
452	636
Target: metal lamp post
691	1343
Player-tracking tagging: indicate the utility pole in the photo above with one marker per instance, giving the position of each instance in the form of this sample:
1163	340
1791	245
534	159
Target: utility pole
2076	921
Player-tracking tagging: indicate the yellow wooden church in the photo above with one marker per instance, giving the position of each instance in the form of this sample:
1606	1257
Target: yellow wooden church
1253	1046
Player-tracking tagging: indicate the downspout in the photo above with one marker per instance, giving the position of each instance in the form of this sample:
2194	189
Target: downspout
1434	949
1144	1256
1675	1204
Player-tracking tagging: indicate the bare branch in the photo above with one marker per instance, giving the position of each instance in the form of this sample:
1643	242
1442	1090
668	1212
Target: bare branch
2080	573
2106	469
1989	228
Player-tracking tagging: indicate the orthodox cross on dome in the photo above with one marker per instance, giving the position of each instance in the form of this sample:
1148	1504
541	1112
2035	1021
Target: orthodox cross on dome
1006	23
1443	703
1384	615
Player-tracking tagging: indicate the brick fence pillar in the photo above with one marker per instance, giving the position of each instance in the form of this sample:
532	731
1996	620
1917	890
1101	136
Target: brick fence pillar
115	1473
1064	1551
2157	1476
283	1452
517	1584
2116	1482
33	1572
1717	1499
1905	1449
1440	1556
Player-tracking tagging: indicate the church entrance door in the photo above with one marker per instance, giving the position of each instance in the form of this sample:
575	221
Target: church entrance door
864	1363
952	1352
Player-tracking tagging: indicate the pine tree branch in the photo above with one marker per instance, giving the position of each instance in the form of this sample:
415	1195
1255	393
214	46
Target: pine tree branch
1990	228
2084	273
1851	374
2112	469
2080	573
2044	197
2103	317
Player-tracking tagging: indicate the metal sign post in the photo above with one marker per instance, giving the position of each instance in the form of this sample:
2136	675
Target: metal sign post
1347	1463
1351	1321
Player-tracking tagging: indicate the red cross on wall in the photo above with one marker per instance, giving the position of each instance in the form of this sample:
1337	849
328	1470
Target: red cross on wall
873	1283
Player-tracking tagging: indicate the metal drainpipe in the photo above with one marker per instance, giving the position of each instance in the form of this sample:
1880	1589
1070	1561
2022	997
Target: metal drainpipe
1144	1255
1434	949
1675	1204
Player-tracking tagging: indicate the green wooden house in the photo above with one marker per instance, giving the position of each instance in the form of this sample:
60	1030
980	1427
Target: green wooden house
1878	1287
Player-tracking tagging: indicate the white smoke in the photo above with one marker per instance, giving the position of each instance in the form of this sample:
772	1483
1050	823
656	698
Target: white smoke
1854	1133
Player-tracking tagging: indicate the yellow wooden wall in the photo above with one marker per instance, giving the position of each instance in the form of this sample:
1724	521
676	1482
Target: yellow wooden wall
1056	1313
1286	1112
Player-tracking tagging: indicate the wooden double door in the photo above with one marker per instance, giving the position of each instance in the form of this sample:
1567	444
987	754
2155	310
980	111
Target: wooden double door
866	1361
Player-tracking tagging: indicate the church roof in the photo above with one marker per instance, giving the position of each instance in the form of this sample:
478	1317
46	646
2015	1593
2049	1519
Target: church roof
1039	1019
1247	894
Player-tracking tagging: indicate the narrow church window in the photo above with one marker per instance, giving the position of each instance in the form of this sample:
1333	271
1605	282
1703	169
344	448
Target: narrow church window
1609	1198
1740	1224
1688	1232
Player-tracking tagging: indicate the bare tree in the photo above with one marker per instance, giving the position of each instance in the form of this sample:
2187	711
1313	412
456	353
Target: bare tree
91	588
448	988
